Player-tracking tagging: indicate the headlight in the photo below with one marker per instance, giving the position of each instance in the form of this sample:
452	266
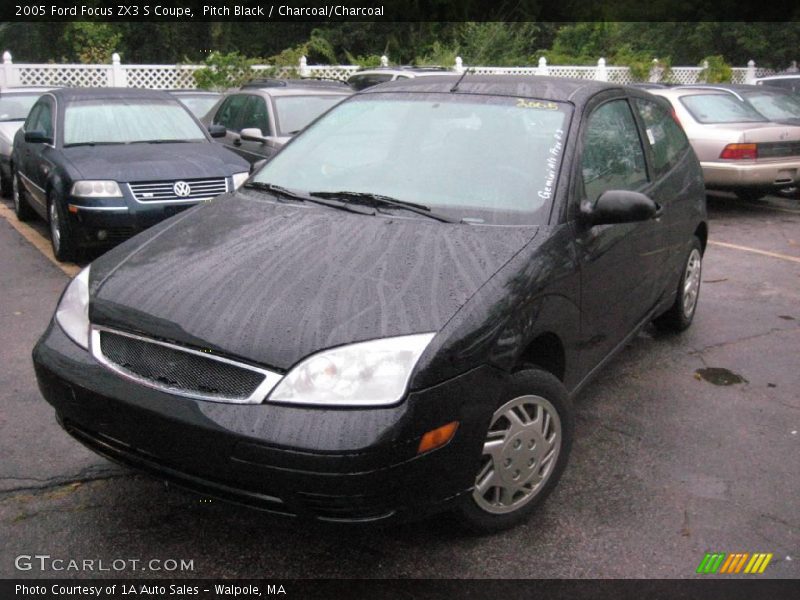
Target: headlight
96	189
72	313
373	373
239	179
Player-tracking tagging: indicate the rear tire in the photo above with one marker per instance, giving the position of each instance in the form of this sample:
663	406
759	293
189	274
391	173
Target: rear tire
526	449
681	314
61	238
22	209
6	188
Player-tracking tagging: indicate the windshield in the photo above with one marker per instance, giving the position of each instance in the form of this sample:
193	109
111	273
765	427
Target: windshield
198	104
480	158
126	121
294	113
776	107
15	107
720	108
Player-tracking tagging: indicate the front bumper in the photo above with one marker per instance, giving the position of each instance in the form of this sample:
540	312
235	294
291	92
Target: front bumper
107	221
751	174
341	465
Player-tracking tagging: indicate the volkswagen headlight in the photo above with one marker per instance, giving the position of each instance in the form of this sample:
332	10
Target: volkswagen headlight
96	189
373	373
72	313
239	179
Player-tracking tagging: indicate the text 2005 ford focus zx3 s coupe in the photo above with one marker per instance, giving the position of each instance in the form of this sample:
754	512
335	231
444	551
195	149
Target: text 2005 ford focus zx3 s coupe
392	316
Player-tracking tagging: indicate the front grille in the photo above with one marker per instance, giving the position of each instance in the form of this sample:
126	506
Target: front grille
778	149
177	370
164	191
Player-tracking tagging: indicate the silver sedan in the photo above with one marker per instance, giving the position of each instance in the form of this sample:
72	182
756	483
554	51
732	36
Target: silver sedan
739	149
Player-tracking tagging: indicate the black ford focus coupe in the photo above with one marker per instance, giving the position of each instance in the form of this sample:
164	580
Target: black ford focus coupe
391	317
100	165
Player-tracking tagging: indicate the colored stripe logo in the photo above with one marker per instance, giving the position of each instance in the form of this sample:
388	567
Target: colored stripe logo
731	564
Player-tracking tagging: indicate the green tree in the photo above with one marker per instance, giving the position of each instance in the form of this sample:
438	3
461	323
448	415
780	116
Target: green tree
91	42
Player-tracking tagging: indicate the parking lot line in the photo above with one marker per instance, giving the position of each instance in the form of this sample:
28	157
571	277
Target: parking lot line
756	251
36	239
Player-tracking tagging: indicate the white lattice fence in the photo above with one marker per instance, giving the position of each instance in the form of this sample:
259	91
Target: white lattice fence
340	72
182	76
66	75
161	77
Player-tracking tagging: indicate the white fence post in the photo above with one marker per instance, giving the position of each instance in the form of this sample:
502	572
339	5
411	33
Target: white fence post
304	70
542	68
459	67
384	61
655	72
119	78
750	74
8	74
601	74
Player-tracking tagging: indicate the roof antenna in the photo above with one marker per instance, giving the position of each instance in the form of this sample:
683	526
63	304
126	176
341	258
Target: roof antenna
457	83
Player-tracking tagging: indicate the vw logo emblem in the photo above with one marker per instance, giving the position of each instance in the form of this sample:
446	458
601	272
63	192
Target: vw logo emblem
181	189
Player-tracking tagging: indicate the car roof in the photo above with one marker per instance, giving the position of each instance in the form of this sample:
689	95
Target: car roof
558	89
784	76
295	91
195	92
109	93
23	90
405	70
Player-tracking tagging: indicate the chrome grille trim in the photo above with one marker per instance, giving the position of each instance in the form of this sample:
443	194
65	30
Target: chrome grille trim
162	192
271	378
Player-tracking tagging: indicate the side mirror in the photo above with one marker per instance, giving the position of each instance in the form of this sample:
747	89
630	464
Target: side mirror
619	206
37	136
217	131
256	166
252	134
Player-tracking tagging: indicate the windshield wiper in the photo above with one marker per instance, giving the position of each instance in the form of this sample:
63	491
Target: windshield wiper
93	144
166	141
275	190
282	192
379	200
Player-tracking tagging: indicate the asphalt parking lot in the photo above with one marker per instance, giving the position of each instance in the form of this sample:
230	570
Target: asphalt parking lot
684	445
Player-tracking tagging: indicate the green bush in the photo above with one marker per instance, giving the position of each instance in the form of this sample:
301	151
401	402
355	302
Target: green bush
717	71
222	71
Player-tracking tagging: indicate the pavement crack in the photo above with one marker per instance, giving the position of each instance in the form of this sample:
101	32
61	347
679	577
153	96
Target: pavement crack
54	483
700	351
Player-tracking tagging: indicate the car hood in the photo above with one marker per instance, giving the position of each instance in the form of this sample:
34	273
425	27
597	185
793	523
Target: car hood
150	162
9	128
272	283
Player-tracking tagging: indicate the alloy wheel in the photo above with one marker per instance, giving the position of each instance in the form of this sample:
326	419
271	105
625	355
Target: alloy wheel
55	229
691	283
519	454
15	191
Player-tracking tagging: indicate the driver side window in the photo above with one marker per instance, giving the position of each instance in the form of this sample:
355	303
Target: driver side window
613	158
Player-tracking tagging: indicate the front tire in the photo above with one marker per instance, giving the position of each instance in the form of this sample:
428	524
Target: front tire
22	209
64	248
681	314
525	452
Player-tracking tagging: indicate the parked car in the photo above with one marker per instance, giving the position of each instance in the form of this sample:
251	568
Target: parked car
776	104
787	82
369	77
388	320
197	101
739	149
15	104
259	120
100	165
